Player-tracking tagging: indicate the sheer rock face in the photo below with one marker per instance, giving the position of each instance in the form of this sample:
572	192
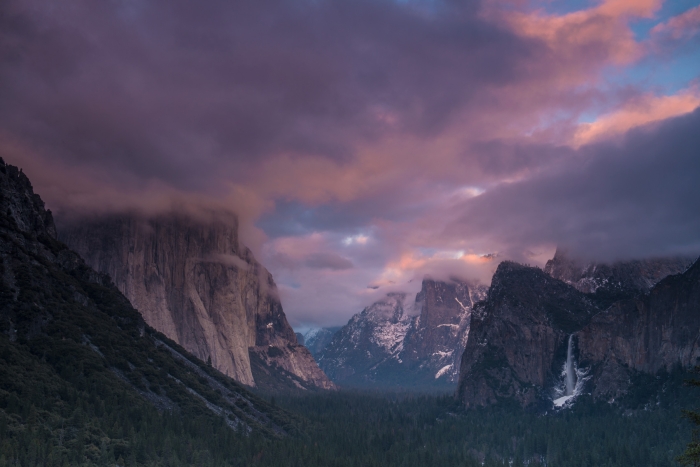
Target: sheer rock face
438	336
656	332
519	336
404	343
193	281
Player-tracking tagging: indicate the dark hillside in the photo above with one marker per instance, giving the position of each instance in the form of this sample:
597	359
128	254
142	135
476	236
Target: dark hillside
84	381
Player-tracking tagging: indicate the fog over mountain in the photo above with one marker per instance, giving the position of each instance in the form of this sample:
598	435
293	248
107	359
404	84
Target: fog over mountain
349	232
364	145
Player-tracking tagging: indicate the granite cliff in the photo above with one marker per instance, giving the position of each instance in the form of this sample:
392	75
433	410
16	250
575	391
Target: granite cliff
75	357
195	282
537	339
519	335
401	341
656	332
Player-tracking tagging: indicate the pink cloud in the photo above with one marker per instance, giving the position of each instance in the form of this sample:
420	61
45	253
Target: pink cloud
640	111
381	117
599	35
685	25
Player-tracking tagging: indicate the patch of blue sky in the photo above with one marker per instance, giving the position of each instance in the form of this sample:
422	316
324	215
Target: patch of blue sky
561	7
289	218
428	252
293	219
589	116
640	27
665	76
669	9
551	119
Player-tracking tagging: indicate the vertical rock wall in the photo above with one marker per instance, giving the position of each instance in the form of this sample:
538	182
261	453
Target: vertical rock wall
194	281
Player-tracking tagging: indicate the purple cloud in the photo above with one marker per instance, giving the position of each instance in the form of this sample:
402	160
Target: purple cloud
638	197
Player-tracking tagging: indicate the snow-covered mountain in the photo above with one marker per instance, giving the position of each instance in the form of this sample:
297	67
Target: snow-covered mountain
401	341
316	339
614	281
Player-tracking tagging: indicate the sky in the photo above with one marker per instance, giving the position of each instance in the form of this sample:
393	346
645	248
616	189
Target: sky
367	144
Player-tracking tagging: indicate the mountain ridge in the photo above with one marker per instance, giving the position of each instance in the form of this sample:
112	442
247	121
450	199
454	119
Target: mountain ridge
81	373
403	342
533	331
194	281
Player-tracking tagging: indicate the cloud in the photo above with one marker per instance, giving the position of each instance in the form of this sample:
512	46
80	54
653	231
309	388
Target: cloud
635	198
444	265
347	135
682	26
317	102
194	96
229	260
328	261
637	112
595	35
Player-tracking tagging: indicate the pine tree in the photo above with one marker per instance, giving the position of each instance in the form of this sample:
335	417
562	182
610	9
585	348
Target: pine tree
691	456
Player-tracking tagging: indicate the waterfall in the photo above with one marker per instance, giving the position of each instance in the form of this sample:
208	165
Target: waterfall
570	370
566	391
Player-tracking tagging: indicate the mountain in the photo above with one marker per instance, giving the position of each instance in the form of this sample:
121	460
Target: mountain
519	336
614	281
371	338
83	379
399	342
192	280
437	336
538	340
317	339
657	332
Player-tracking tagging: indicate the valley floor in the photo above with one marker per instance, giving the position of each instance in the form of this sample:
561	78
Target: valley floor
354	428
365	429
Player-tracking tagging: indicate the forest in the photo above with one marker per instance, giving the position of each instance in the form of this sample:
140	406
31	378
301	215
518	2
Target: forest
348	428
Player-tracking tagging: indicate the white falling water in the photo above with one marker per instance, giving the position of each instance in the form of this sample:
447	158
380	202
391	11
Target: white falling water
570	368
574	379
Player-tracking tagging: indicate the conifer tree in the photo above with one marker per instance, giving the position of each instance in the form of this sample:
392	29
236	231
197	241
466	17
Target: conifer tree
691	456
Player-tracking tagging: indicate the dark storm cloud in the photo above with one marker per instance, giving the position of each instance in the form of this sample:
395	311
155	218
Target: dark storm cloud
638	197
500	158
194	92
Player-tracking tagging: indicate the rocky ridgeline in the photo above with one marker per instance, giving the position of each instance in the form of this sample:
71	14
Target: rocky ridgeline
195	282
534	332
615	281
69	339
317	339
400	341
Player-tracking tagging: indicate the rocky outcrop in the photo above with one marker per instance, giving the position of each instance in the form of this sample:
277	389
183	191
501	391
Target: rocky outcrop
192	280
437	337
402	342
657	332
517	334
534	331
